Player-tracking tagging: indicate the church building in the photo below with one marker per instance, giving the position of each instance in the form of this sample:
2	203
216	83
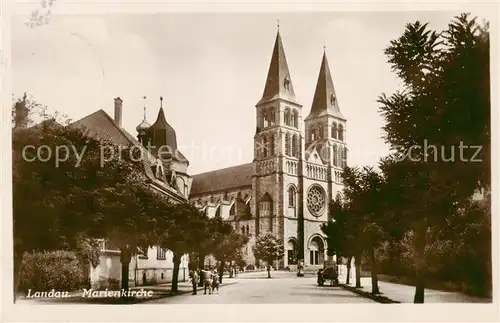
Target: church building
299	154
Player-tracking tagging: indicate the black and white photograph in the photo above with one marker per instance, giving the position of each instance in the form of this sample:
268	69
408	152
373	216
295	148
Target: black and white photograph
236	156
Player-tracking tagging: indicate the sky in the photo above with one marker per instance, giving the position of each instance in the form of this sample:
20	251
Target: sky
211	69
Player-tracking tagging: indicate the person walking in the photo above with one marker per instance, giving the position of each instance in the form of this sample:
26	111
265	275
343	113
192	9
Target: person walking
194	280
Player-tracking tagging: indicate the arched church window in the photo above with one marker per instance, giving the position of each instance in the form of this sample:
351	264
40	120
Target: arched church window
335	152
271	145
320	132
313	133
339	157
232	210
345	157
243	230
334	130
295	146
291	196
271	116
295	119
341	132
264	118
265	144
287	144
287	116
248	231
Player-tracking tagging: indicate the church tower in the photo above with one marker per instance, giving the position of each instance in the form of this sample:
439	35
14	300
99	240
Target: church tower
325	156
276	148
325	128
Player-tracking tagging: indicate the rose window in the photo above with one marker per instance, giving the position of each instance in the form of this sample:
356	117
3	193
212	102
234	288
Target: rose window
316	200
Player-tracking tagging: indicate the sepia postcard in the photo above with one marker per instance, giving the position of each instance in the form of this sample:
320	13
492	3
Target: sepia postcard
250	161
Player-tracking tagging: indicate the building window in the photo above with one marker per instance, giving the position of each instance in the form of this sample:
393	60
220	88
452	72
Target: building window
161	253
295	145
291	196
316	200
334	130
334	152
264	146
271	115
295	119
248	231
341	132
271	145
287	144
345	157
287	117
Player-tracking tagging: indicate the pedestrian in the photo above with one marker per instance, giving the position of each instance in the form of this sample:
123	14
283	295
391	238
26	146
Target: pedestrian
194	280
215	282
207	282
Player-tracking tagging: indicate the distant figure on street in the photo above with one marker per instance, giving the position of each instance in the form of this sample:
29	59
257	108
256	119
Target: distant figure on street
193	275
215	282
207	282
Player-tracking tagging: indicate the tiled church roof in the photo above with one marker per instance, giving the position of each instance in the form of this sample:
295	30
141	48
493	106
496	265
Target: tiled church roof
222	179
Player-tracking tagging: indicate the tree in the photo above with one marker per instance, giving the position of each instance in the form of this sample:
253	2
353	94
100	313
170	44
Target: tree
67	194
183	230
445	103
268	248
228	247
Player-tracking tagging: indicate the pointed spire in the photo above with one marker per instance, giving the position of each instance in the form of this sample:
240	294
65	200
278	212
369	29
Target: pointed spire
162	132
278	83
325	99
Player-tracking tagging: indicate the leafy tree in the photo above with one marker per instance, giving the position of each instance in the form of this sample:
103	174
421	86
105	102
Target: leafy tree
445	102
183	230
268	248
228	247
56	202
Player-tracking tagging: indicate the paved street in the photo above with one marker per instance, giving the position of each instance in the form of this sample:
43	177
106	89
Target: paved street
283	287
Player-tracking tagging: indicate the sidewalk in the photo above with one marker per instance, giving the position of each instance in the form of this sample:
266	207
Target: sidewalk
404	293
159	291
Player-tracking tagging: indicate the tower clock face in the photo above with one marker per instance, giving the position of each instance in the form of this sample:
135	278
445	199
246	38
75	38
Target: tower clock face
316	200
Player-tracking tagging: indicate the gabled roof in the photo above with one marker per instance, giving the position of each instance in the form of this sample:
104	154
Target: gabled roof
101	126
278	83
222	179
325	100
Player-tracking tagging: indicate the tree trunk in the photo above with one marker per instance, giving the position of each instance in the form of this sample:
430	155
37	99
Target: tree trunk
175	273
268	270
201	265
357	267
419	255
375	289
221	269
125	257
349	259
231	271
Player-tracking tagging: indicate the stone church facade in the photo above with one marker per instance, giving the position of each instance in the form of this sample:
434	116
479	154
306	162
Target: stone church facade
285	190
296	170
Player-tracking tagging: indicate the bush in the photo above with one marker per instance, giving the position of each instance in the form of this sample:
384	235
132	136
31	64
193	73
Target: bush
44	271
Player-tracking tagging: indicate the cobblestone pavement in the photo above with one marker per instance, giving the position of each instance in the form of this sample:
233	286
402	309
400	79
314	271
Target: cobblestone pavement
283	287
